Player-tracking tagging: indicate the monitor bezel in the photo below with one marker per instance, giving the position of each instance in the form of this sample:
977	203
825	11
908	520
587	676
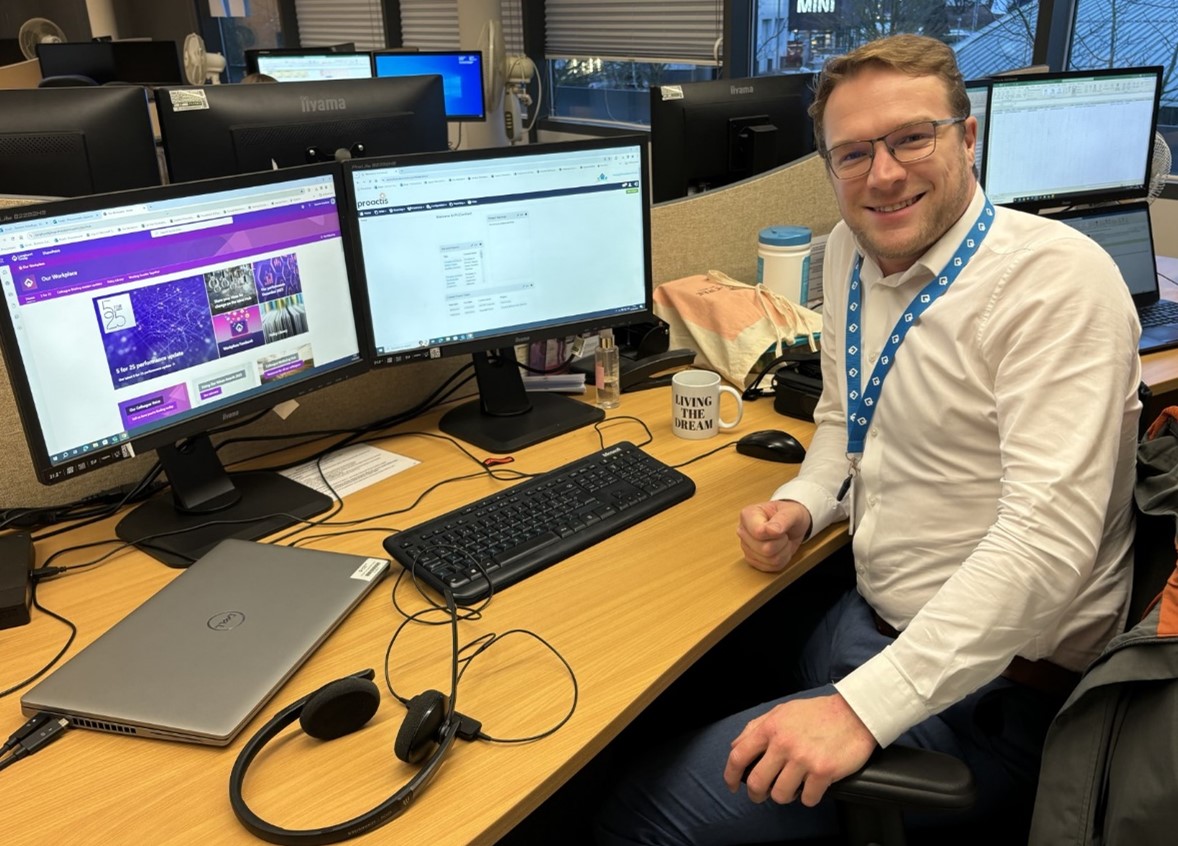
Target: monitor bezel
508	339
198	424
417	54
1079	196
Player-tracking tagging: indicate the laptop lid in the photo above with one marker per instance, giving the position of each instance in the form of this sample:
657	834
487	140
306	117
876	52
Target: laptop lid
1125	233
199	658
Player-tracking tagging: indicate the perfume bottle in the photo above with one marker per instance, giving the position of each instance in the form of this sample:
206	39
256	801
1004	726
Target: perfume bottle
608	371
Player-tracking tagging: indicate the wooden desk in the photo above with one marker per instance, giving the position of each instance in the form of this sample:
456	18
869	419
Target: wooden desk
629	615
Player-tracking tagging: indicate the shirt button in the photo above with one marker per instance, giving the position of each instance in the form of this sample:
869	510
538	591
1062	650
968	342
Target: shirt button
872	501
875	432
873	357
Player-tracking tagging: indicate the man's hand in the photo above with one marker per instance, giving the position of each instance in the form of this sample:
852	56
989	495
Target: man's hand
803	746
771	532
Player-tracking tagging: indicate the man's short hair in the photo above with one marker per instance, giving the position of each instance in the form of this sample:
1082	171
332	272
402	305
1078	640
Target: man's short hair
914	55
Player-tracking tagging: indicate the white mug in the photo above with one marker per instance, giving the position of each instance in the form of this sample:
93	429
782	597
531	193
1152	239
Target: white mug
695	404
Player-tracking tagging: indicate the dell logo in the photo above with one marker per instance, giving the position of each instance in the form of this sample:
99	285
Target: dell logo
323	104
226	621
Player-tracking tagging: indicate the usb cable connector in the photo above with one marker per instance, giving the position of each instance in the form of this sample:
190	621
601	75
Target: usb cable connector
37	739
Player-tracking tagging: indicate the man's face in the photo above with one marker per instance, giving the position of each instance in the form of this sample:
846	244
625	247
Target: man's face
898	210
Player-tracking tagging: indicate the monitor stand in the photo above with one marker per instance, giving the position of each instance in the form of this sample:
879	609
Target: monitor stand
209	505
506	417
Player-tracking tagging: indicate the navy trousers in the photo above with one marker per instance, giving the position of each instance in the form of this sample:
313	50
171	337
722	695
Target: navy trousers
674	794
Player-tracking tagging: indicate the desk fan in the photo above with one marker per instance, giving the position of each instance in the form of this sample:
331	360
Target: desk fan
201	66
1159	166
36	31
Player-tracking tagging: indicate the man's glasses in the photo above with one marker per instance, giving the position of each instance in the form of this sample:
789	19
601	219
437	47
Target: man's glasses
907	144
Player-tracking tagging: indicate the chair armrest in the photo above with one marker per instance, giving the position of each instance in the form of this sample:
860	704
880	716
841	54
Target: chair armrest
920	778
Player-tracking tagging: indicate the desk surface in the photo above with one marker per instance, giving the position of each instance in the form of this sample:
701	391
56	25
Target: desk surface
629	614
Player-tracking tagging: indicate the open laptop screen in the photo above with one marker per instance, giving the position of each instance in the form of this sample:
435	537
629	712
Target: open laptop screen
1125	233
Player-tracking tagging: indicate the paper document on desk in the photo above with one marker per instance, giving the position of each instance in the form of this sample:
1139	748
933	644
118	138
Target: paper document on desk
350	469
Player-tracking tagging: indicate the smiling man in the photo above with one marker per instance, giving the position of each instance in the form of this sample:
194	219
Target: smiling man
978	431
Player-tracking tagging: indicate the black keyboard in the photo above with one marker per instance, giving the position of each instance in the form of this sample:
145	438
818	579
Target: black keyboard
1161	313
509	535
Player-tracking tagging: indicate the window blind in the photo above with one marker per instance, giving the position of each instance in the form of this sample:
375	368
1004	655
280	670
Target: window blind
433	25
666	31
326	22
430	24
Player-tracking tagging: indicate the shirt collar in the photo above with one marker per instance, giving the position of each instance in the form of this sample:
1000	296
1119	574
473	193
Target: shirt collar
934	258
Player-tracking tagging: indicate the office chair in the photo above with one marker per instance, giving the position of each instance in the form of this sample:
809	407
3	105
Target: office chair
65	80
871	803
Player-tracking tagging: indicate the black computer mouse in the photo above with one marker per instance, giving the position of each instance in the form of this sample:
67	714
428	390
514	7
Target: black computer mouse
772	445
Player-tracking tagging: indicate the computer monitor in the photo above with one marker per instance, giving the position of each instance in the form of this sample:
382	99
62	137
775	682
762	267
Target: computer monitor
1058	139
214	130
66	142
708	134
477	251
461	72
142	62
979	100
253	53
302	67
141	320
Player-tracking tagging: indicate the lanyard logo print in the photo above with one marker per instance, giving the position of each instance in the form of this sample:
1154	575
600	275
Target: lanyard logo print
861	405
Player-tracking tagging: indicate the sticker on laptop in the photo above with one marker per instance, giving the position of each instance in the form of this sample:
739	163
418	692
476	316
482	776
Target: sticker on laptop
370	569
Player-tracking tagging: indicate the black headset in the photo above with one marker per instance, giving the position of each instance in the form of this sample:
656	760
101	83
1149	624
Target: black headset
342	706
338	708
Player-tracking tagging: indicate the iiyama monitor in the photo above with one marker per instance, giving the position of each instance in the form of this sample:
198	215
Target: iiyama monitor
66	142
708	134
143	319
477	251
216	130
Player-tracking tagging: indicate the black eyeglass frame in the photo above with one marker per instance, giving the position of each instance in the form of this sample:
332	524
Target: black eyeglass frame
871	142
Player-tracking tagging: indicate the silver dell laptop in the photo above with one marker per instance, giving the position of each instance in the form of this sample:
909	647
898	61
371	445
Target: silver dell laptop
199	658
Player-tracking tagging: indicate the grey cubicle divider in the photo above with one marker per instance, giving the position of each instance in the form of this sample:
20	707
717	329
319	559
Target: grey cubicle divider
717	230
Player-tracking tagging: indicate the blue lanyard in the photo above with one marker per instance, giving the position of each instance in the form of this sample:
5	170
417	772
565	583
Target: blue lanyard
862	400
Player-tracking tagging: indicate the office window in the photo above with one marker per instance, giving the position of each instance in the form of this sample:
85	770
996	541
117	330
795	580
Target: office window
326	22
603	57
262	27
430	24
797	36
1123	33
433	25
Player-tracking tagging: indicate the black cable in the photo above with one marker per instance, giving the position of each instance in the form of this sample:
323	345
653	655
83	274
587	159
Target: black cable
711	451
60	653
54	728
453	614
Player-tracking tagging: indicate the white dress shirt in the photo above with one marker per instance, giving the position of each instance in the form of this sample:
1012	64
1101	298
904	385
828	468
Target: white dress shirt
992	503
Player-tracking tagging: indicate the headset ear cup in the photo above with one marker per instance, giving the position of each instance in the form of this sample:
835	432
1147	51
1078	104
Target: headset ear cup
339	707
422	726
